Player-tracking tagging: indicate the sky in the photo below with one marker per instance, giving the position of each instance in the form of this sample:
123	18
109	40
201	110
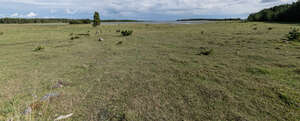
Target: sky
134	9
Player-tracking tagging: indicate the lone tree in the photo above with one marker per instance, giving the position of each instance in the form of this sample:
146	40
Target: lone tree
96	21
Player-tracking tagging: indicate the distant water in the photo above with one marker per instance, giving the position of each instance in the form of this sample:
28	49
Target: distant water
158	22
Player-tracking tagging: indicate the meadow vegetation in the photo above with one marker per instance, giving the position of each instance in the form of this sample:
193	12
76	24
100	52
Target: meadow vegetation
126	32
214	71
293	35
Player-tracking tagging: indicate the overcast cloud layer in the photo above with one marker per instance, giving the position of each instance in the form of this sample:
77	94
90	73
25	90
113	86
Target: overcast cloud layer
134	9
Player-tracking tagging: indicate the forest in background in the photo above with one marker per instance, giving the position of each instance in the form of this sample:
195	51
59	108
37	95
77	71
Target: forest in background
281	13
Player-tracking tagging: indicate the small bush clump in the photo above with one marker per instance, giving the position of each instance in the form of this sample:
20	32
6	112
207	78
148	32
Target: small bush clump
293	35
118	30
75	37
119	43
205	51
126	32
1	33
87	34
38	48
270	28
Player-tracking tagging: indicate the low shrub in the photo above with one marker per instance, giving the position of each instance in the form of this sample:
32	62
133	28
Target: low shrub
205	51
119	43
38	48
1	33
126	32
88	34
270	28
118	30
75	37
293	35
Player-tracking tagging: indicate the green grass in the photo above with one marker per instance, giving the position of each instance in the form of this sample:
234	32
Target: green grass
154	74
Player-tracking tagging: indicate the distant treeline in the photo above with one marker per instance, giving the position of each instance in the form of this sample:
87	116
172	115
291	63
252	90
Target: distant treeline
54	20
207	19
42	20
282	13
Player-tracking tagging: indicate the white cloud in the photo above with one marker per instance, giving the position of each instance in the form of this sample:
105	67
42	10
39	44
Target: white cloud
139	8
31	14
17	15
14	15
70	11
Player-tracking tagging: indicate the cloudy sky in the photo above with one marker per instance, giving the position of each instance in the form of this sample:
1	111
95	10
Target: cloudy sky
134	9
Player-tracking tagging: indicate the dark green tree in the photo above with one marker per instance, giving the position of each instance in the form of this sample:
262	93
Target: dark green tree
282	13
96	21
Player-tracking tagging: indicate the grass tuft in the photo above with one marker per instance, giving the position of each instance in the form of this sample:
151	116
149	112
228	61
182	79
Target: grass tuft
39	48
286	99
126	32
293	35
205	51
257	71
270	28
75	37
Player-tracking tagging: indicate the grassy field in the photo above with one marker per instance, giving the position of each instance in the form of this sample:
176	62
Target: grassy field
216	71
